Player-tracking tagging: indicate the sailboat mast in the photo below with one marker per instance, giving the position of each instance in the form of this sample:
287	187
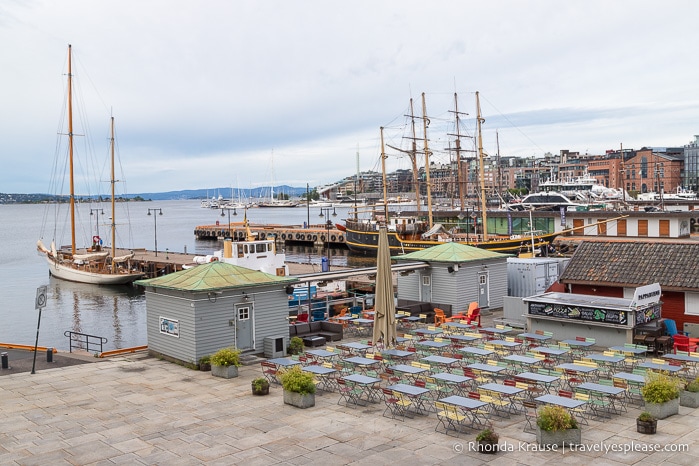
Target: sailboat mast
70	149
481	169
425	123
413	159
459	173
112	181
383	174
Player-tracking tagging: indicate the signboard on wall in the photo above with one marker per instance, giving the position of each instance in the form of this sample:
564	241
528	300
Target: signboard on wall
170	327
646	295
564	311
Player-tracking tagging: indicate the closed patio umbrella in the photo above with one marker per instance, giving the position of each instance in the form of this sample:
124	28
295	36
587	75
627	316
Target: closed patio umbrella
384	306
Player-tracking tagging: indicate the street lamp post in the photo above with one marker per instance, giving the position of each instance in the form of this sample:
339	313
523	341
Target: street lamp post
235	212
328	227
155	226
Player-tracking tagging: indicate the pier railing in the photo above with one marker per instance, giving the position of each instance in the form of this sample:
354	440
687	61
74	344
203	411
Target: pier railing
84	341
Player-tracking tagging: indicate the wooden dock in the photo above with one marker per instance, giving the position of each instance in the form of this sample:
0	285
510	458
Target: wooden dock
318	235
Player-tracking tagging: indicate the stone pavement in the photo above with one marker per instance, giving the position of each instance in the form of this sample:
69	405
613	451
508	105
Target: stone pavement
136	409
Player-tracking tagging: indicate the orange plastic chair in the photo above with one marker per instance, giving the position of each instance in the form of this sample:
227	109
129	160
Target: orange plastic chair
474	314
439	317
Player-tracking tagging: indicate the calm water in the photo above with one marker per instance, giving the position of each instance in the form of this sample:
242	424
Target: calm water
118	314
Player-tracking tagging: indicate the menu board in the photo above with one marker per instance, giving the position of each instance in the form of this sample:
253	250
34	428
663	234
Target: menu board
647	315
563	311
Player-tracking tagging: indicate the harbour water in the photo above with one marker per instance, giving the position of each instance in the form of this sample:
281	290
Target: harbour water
116	313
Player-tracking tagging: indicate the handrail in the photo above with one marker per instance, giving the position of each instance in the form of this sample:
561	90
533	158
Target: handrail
84	339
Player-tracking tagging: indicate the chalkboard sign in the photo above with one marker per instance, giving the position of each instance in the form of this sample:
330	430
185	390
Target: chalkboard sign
647	315
563	311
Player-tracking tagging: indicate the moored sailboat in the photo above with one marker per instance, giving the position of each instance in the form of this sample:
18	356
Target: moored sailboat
91	265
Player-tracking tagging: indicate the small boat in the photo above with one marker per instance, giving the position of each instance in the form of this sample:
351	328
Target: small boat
92	264
251	253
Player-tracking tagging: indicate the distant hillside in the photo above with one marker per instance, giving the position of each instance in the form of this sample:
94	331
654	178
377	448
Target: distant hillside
243	194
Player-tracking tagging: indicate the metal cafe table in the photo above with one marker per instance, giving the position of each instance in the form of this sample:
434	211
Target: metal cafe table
363	363
579	368
510	345
609	392
569	403
659	367
505	393
325	381
455	381
496	331
458	338
364	384
632	378
546	380
626	349
415	394
322	354
518	360
689	361
425	332
410	372
478	353
608	360
393	353
283	362
442	361
458	325
473	409
534	336
492	371
354	347
432	345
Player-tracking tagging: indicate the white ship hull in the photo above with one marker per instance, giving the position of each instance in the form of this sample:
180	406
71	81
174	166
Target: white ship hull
73	274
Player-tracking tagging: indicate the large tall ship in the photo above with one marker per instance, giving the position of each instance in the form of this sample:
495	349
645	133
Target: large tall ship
415	232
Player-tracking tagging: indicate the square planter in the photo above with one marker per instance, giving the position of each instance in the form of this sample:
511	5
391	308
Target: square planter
663	410
646	427
558	437
689	399
298	400
227	372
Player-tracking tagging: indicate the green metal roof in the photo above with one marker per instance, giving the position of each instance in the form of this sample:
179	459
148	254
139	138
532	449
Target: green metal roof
451	253
214	276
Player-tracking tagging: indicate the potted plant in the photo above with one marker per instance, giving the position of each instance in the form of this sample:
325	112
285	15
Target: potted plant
205	363
556	426
646	423
689	397
487	441
225	363
295	345
299	388
260	386
661	394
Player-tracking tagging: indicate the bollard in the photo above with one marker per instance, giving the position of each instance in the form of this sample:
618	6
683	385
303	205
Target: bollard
5	362
49	355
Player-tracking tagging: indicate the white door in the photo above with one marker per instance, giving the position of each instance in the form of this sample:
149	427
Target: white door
483	293
244	327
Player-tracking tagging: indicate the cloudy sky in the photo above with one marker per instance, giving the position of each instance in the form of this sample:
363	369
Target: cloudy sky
240	93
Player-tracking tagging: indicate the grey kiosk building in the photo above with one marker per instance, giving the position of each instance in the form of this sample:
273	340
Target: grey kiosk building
195	312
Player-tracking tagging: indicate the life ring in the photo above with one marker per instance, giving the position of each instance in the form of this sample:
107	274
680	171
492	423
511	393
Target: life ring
96	240
263	235
340	238
217	224
322	238
283	235
315	237
213	259
332	238
298	236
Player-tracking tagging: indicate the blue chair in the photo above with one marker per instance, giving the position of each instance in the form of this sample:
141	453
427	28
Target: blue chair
671	328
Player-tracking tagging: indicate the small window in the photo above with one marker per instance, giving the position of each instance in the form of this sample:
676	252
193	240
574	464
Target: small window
243	313
482	279
426	280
